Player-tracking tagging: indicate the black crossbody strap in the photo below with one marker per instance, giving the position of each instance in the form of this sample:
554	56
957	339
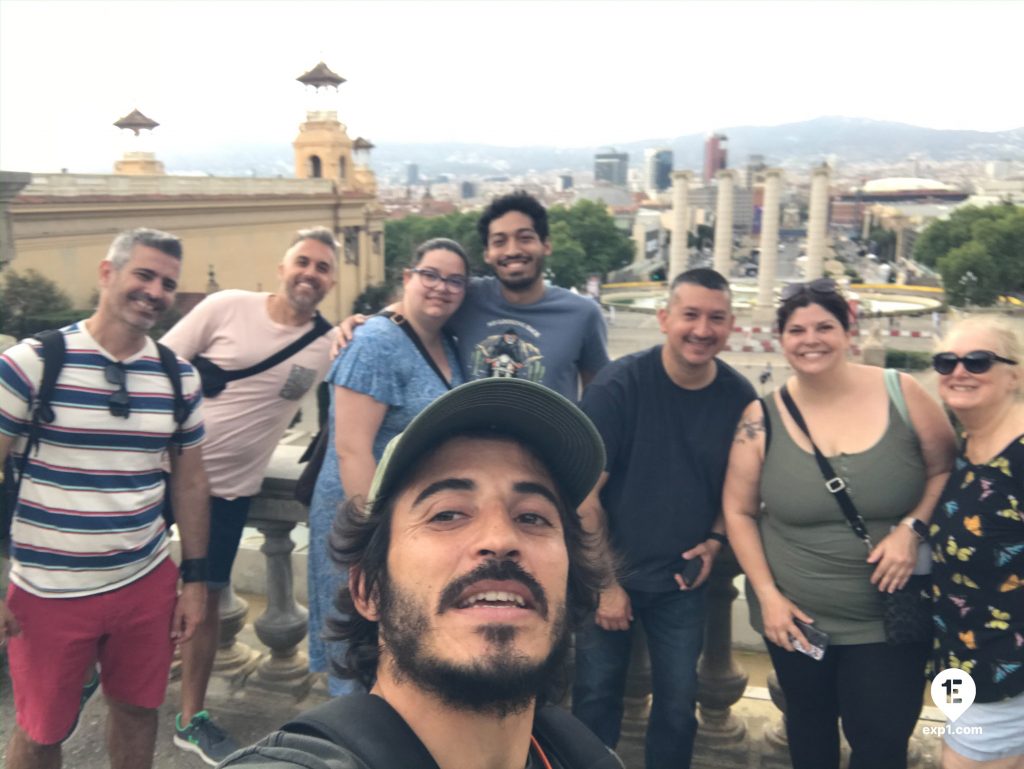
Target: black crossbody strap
320	327
835	484
399	320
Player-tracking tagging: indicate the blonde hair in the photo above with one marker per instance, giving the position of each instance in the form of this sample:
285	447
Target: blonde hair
1007	332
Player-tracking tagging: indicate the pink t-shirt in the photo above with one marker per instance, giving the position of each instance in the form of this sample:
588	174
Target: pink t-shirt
245	422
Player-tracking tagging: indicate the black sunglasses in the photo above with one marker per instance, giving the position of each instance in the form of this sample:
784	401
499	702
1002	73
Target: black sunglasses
119	401
818	286
976	361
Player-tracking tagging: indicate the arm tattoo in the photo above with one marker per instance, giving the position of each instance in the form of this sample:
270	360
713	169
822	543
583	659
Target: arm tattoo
748	430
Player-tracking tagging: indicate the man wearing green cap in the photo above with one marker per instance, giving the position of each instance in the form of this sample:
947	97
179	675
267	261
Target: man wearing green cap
468	569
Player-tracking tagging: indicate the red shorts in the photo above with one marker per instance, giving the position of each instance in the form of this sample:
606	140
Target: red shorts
127	630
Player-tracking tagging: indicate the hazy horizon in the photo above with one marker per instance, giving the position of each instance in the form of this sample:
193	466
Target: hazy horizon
569	74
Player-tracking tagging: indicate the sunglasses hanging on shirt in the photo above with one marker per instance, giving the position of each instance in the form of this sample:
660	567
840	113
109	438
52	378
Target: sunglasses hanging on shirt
119	401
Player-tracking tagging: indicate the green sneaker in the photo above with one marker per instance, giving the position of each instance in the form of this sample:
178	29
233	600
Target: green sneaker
87	691
204	738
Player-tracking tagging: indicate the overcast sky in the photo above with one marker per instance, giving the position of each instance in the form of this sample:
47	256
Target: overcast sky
560	73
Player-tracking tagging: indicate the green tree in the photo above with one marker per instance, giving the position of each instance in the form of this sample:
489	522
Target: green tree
943	236
588	228
28	294
402	236
605	246
956	247
568	263
969	276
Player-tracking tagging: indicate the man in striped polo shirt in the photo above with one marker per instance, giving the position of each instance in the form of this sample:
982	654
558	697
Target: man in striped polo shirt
91	581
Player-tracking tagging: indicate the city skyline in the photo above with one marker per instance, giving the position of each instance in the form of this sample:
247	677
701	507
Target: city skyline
570	73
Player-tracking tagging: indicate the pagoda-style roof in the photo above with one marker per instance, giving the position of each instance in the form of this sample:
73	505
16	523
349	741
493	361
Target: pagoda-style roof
136	121
321	76
362	144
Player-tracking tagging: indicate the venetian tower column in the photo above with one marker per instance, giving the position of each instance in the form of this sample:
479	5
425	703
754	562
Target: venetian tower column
679	253
639	239
769	244
723	222
817	223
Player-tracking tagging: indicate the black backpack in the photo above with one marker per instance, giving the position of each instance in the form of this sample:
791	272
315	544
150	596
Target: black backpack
372	730
52	342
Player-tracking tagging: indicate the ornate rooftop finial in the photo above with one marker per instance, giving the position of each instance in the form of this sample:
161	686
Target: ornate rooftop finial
321	76
135	121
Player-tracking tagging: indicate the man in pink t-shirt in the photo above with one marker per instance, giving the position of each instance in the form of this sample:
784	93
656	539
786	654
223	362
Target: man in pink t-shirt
244	423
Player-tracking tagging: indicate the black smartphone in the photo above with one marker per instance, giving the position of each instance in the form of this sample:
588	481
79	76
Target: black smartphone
692	570
818	640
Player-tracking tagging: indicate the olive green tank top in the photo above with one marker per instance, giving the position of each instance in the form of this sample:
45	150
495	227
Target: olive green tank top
815	557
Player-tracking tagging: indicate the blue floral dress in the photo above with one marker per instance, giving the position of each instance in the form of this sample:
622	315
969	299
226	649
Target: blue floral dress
381	362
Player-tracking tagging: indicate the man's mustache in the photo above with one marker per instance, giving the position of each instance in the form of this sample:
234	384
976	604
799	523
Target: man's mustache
493	570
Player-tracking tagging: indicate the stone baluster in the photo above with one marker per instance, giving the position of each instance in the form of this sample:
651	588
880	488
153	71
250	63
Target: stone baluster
777	754
282	626
234	660
721	681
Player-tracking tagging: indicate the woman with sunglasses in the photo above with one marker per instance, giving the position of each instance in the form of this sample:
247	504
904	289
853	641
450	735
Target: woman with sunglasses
891	448
392	370
978	541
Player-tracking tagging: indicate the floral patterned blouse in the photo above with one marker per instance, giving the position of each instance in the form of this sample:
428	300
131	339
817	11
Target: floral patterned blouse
978	553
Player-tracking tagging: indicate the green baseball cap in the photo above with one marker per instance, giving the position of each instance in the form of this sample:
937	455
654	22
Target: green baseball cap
561	435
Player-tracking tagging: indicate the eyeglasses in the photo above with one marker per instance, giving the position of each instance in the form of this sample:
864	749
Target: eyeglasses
976	361
119	401
818	286
432	278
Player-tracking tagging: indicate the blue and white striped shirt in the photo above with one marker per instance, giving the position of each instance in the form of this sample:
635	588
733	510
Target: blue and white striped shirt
88	518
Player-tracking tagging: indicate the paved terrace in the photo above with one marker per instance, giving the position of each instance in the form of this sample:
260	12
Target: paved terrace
260	683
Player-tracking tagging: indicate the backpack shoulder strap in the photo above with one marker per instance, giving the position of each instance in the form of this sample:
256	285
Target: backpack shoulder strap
572	744
169	363
52	342
368	727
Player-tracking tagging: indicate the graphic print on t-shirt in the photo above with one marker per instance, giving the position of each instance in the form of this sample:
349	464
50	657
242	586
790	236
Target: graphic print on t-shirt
507	352
300	379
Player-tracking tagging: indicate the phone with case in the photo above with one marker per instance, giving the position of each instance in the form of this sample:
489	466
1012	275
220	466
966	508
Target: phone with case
691	570
818	640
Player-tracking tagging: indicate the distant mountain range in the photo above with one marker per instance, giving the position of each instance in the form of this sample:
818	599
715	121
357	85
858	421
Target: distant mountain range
852	140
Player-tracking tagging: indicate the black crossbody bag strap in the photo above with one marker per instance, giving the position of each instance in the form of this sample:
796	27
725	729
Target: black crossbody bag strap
835	484
399	320
320	327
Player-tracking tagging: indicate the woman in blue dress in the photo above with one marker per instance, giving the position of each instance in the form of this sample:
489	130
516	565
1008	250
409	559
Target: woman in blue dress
380	382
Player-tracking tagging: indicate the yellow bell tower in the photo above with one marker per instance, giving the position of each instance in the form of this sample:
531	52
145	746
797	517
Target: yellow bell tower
138	159
323	148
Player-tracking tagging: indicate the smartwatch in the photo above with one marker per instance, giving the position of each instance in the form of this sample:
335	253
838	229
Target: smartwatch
193	570
919	527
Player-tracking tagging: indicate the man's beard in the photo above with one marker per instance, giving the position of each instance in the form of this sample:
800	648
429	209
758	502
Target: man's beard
526	282
502	682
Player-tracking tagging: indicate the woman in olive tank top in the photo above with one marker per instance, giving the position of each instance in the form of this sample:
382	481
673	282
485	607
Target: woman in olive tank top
892	446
